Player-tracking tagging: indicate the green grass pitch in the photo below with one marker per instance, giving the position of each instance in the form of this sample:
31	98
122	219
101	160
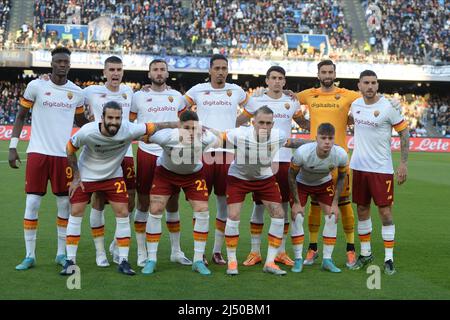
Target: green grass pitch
421	216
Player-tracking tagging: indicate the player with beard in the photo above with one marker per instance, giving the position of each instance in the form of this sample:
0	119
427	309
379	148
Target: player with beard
96	96
157	103
99	169
330	104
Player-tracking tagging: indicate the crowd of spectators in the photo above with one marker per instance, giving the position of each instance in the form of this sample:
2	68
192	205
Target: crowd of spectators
5	8
415	31
418	110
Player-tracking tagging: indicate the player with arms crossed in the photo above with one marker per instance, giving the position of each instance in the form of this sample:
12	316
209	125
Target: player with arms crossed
251	172
310	175
96	96
180	167
217	107
285	110
373	172
158	104
55	103
99	169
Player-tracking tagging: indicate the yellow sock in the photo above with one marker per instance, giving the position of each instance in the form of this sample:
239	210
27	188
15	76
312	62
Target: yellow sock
314	222
348	221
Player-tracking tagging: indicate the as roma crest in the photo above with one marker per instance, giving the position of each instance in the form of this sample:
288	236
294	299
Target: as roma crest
170	98
287	106
337	96
376	113
69	95
124	95
229	93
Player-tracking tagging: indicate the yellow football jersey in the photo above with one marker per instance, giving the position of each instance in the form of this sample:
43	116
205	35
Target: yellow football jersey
332	107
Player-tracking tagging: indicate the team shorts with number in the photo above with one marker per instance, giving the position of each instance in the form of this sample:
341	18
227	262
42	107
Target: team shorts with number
281	172
146	165
41	168
347	182
128	172
114	190
266	189
215	170
323	193
168	183
368	185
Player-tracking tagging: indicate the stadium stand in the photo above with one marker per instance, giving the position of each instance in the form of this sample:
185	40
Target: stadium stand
411	31
5	8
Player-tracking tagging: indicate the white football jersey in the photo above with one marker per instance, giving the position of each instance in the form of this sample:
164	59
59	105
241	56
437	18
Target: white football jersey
182	158
372	137
284	110
102	156
315	171
96	96
153	106
53	110
216	108
253	159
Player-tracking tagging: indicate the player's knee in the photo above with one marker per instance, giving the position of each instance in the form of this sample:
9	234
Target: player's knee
143	202
200	207
78	210
156	208
386	215
131	204
172	204
235	216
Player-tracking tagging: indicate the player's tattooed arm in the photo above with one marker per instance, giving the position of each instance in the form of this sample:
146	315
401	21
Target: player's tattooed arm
402	170
242	119
295	143
165	125
13	156
80	119
73	163
303	122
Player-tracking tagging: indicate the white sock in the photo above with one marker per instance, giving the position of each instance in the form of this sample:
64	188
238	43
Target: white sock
219	236
97	222
388	234
153	235
201	228
173	224
285	206
298	236
123	237
32	206
329	235
364	231
256	225
73	237
63	205
275	238
140	221
232	238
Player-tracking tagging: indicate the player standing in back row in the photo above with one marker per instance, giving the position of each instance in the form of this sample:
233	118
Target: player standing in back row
373	172
54	104
217	107
158	104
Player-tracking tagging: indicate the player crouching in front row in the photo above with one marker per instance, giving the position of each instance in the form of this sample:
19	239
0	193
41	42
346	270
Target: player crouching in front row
99	169
310	175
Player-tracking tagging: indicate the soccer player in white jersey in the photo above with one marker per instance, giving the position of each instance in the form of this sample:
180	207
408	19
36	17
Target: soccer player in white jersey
158	104
251	172
96	96
217	107
55	103
310	175
373	172
285	110
99	169
180	167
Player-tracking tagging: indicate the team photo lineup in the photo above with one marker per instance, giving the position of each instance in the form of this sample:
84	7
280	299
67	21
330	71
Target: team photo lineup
195	154
201	143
